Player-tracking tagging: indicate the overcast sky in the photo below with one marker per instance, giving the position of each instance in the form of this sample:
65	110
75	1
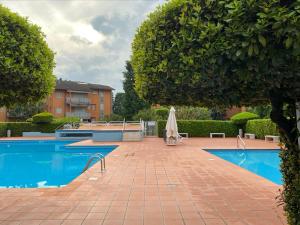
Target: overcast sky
92	39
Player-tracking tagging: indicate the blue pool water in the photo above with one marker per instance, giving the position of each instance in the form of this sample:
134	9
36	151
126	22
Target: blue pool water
265	163
29	164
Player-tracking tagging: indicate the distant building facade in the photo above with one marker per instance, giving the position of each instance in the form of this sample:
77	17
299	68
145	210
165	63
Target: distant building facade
78	99
3	114
75	99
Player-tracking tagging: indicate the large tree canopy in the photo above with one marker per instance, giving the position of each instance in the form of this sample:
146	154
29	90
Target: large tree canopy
229	52
233	52
26	62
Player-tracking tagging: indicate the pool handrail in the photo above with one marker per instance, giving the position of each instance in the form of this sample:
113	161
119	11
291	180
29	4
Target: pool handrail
99	156
239	139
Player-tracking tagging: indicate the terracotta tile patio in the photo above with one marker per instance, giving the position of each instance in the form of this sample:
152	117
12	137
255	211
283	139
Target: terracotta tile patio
148	183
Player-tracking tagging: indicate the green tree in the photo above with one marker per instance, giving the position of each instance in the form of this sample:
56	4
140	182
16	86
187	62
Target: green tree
118	104
132	102
226	53
26	62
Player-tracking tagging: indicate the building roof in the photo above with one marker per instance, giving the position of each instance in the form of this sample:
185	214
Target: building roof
79	86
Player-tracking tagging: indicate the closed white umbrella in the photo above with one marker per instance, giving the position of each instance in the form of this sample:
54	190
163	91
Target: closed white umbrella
171	127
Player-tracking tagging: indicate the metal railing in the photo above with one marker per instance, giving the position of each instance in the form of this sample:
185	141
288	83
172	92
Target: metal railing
98	156
83	115
122	124
79	101
73	125
117	123
240	140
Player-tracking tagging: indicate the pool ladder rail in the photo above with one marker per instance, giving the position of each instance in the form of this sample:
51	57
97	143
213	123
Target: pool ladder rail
240	140
95	156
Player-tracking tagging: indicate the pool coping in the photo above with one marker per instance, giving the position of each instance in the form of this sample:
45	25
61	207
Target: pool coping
200	183
117	144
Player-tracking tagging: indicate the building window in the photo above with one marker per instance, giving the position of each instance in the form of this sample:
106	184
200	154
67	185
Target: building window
101	94
101	107
93	107
58	94
101	110
58	110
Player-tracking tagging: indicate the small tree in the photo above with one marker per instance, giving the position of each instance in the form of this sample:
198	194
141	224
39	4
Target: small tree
226	53
26	62
132	102
118	104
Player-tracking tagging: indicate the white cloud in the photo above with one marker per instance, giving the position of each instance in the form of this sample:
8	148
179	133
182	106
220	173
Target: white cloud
87	32
92	39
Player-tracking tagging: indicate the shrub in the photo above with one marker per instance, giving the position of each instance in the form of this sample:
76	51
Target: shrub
44	117
182	113
161	113
261	127
114	117
192	113
201	128
67	120
242	118
29	120
17	128
145	114
3	129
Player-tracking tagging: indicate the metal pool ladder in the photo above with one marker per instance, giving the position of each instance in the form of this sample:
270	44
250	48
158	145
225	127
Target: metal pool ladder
240	140
98	156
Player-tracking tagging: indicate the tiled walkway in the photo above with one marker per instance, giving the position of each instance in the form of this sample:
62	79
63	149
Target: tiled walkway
148	183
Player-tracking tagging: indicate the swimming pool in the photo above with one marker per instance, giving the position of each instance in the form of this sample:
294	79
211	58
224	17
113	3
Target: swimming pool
263	162
43	163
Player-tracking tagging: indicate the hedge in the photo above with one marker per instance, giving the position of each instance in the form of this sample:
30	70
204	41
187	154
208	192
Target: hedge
261	127
17	128
44	117
242	118
201	128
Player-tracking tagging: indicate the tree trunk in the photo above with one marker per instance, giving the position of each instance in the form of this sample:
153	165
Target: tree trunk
298	120
284	115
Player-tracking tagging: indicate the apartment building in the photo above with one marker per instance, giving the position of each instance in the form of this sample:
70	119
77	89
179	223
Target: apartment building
3	114
79	99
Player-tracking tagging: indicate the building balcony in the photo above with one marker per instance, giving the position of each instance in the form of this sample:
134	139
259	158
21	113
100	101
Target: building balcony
82	115
78	101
